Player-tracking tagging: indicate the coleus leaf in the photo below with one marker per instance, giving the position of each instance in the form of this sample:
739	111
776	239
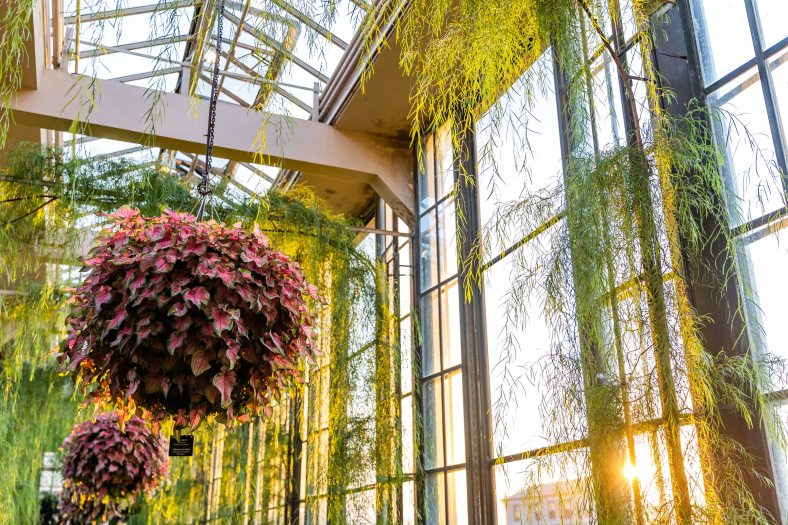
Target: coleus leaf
175	308
115	322
200	362
226	276
221	320
103	462
197	296
103	296
224	381
232	354
195	416
175	341
178	310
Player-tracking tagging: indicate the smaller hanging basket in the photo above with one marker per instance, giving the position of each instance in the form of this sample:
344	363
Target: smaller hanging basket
105	468
187	319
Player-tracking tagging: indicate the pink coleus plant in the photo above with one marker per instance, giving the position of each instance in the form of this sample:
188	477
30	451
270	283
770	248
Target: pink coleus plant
105	468
187	319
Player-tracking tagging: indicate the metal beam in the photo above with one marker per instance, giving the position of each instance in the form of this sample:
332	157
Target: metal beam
100	50
279	88
108	14
258	172
119	153
301	17
118	111
149	74
270	42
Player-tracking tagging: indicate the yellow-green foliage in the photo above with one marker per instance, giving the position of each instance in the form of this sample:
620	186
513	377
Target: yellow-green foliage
625	225
45	197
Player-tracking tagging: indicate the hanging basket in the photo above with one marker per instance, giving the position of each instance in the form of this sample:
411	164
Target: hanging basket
187	319
105	468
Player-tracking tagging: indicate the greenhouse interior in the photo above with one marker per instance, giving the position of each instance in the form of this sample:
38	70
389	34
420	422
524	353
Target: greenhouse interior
424	262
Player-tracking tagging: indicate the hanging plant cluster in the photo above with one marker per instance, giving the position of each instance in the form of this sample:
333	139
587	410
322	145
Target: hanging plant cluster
105	468
187	319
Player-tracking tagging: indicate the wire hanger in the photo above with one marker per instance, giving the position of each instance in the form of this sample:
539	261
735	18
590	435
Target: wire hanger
204	187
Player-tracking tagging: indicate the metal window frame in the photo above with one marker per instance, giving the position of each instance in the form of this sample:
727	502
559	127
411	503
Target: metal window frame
721	303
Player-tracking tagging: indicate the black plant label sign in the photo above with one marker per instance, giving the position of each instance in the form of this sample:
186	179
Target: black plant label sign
182	447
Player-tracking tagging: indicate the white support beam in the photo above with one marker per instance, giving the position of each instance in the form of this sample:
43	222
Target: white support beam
118	111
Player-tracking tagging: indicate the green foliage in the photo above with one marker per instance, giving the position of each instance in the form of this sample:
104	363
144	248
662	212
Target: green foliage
36	413
15	22
608	253
61	196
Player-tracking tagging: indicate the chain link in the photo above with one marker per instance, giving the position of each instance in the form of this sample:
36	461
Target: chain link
204	188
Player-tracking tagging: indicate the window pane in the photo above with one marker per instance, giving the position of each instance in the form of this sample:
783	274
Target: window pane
723	36
607	104
408	503
767	261
407	435
406	356
455	420
435	500
447	222
433	424
548	490
519	153
628	19
450	325
428	252
773	15
427	176
430	319
457	497
405	280
779	67
445	154
744	135
780	461
516	349
360	507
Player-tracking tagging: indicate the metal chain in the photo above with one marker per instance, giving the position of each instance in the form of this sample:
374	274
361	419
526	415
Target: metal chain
204	188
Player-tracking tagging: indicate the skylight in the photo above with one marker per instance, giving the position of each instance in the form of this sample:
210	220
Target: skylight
276	55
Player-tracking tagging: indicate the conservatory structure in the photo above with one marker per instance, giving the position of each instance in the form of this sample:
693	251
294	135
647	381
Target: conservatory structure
393	262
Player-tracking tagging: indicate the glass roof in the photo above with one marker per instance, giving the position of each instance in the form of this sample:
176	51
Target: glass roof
275	55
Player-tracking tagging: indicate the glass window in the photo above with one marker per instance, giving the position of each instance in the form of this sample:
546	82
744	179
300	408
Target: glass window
744	134
772	15
432	414
407	435
548	490
779	69
428	252
519	155
430	326
517	349
607	103
722	51
458	497
455	419
755	100
409	510
427	175
435	499
450	325
447	222
406	353
443	417
767	290
444	153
